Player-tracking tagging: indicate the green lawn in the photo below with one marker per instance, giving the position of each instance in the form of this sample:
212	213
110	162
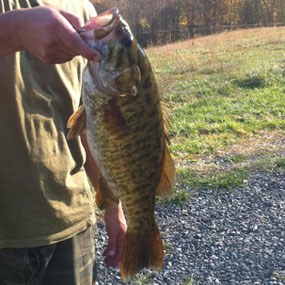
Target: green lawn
224	90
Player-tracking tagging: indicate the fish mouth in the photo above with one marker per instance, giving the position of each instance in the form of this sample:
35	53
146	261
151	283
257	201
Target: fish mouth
107	18
101	26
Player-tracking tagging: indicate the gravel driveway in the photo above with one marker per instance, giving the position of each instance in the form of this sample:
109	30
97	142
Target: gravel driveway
219	237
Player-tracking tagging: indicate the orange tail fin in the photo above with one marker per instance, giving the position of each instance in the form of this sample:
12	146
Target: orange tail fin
141	251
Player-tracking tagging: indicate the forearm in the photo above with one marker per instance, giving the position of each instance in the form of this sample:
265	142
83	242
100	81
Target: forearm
90	164
9	33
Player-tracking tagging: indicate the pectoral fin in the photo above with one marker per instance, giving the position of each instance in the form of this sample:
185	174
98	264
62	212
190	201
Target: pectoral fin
105	198
76	123
113	117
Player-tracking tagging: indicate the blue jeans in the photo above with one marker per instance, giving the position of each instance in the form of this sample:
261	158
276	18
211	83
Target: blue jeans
70	262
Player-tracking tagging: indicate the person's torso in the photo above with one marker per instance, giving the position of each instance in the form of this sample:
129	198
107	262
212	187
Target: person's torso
44	192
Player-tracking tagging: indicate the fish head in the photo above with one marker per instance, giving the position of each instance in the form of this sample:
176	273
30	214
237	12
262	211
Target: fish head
117	72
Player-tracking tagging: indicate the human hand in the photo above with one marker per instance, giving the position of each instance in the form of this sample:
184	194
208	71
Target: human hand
116	228
51	35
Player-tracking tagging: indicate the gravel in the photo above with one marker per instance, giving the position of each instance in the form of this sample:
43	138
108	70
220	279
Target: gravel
218	237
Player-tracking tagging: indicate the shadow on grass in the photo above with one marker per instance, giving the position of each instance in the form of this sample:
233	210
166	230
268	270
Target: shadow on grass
251	82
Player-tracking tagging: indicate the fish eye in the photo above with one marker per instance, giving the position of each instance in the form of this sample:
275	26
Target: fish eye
127	41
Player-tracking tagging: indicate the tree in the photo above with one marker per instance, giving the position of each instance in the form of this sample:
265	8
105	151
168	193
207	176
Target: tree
162	21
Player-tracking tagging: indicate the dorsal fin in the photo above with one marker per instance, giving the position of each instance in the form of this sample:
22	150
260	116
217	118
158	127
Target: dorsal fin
165	115
167	178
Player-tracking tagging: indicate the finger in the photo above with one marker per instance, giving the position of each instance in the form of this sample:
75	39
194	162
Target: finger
62	51
57	60
76	22
109	259
63	59
112	258
112	261
74	42
110	251
119	248
111	247
58	56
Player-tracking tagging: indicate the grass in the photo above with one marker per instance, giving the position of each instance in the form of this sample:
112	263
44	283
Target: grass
229	169
280	163
224	90
227	95
222	87
189	180
280	276
143	278
189	282
214	179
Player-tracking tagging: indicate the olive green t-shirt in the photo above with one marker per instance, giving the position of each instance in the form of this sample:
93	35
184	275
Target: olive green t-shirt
44	192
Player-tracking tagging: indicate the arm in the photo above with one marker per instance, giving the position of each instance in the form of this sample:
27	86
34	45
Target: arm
47	33
116	225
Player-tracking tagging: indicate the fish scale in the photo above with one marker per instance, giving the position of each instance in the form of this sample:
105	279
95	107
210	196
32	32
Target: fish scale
126	134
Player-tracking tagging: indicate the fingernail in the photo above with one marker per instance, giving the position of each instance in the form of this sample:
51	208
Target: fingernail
81	30
96	58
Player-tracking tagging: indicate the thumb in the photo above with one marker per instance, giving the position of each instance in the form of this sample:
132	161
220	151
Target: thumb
110	253
75	21
111	247
74	42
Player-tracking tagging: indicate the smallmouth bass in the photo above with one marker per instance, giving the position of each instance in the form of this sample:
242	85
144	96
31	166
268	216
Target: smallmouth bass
127	135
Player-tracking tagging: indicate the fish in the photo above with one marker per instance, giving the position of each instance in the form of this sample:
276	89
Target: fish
126	126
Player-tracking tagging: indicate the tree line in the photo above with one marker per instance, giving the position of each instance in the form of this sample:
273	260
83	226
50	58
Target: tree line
163	21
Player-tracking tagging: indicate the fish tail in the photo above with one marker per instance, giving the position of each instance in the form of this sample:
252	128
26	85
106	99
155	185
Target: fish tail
141	251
